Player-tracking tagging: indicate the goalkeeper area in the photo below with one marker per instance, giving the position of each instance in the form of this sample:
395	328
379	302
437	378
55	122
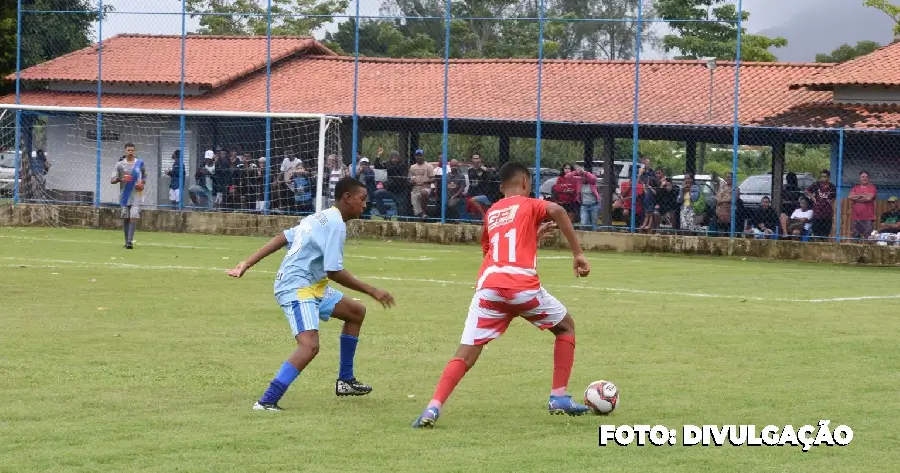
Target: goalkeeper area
150	360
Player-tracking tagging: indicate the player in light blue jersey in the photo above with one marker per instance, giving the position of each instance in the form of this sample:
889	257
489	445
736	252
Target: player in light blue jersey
316	254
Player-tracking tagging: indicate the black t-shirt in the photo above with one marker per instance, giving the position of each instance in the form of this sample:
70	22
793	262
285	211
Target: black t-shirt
767	216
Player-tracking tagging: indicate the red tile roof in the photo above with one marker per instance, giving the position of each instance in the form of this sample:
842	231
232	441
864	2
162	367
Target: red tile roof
830	115
211	61
880	68
672	92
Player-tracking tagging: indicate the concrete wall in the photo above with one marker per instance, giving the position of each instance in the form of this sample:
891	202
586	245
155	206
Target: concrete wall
260	225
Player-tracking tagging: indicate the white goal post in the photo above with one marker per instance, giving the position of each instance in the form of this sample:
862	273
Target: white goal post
294	130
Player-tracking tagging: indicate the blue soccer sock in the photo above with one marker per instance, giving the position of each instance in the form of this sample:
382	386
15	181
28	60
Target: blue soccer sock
348	351
279	385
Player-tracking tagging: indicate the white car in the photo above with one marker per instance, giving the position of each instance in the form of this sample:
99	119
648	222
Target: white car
7	173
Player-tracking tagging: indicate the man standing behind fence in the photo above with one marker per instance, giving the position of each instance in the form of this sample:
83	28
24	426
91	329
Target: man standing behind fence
131	176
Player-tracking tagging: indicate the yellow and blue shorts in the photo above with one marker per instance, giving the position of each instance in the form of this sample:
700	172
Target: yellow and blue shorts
305	308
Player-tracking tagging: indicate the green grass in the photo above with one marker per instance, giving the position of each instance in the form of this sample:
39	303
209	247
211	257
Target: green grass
149	360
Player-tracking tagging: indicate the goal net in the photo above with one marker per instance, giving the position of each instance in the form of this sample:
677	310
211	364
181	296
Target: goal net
273	164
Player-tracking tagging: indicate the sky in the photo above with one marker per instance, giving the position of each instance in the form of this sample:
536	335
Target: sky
786	17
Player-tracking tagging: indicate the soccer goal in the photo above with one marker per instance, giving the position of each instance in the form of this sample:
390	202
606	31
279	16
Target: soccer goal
269	163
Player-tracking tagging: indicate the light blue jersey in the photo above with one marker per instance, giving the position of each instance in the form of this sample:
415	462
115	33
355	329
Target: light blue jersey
315	247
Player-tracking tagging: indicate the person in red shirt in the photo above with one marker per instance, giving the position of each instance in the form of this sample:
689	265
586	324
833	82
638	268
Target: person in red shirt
508	286
862	207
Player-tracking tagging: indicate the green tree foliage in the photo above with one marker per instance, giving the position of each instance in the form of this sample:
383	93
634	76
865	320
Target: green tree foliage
517	35
712	31
250	17
888	8
845	52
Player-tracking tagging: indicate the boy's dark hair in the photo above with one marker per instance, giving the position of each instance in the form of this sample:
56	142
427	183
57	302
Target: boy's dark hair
129	144
345	185
826	172
511	171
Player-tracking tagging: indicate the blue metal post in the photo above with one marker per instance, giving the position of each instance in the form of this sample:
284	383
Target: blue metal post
446	136
540	79
99	103
840	184
268	179
181	177
635	135
354	148
737	127
18	147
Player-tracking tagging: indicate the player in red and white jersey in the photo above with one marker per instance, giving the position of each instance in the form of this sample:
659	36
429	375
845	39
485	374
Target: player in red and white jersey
508	287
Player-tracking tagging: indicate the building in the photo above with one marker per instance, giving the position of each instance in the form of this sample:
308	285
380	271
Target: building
587	101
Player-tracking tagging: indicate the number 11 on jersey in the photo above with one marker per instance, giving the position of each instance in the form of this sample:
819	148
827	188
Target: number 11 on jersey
510	238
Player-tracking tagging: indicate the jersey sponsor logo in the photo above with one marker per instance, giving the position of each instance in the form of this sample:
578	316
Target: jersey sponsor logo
498	218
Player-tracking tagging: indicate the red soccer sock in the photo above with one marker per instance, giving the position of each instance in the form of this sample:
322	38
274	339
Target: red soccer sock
563	359
453	373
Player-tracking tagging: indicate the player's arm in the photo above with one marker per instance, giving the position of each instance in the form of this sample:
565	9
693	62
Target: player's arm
562	221
334	267
116	176
272	246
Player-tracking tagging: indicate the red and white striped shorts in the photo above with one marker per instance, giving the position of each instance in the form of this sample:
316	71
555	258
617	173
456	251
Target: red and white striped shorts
492	311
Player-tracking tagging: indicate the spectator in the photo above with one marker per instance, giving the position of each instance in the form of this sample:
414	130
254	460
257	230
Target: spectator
862	207
666	201
175	178
692	204
565	192
221	177
790	194
456	190
647	177
256	181
764	222
335	171
480	187
889	230
204	180
395	186
289	165
588	197
234	194
366	175
800	222
302	187
421	175
723	205
624	202
823	193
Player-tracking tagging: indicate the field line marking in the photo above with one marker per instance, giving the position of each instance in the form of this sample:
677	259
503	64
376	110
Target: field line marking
54	263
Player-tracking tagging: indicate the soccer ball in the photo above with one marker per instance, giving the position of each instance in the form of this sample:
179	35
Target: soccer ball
602	397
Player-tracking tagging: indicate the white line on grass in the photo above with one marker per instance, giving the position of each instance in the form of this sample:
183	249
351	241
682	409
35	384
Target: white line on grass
55	264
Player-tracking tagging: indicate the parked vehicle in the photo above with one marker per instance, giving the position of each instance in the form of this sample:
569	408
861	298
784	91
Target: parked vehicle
7	173
754	188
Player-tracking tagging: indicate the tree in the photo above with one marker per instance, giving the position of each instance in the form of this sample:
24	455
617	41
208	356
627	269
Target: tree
509	29
845	52
711	31
889	9
250	17
45	35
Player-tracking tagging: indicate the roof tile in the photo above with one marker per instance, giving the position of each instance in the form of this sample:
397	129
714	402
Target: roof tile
211	61
880	68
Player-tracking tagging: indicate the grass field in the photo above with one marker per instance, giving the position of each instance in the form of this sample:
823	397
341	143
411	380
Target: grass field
149	360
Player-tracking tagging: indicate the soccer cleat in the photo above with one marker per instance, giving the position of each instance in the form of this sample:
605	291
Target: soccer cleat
266	406
559	405
427	419
351	387
129	246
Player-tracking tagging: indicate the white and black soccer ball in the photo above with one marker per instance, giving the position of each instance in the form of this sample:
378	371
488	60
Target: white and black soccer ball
602	397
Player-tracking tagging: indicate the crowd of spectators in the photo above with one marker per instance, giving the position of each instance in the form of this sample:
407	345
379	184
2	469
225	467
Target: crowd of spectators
411	188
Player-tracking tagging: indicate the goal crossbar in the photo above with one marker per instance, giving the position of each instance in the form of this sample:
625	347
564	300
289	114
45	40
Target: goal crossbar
156	111
325	121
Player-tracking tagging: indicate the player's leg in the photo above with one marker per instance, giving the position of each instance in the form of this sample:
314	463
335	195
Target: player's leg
304	320
133	214
352	313
547	313
486	321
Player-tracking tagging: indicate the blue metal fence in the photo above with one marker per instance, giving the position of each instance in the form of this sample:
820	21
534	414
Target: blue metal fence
362	140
